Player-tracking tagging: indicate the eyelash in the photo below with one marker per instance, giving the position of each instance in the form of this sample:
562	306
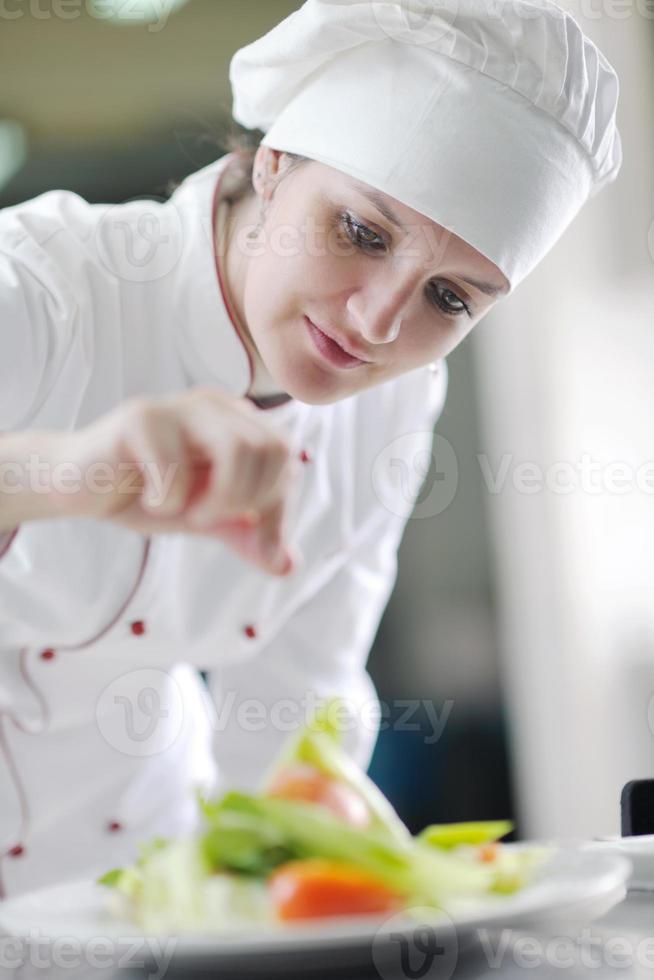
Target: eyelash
353	229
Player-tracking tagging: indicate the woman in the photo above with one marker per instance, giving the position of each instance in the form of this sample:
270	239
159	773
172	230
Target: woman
210	406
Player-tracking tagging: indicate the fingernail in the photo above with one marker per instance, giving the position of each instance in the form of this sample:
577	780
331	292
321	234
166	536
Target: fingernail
284	564
287	562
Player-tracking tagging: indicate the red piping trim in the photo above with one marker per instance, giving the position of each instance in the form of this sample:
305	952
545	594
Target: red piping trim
8	543
221	283
22	798
4	746
228	305
121	611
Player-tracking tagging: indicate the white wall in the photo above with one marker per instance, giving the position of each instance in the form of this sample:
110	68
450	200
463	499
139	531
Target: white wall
565	368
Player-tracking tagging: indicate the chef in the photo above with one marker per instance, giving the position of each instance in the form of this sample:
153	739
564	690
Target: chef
212	406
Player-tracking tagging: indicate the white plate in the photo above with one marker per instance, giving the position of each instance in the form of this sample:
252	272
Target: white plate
639	850
577	886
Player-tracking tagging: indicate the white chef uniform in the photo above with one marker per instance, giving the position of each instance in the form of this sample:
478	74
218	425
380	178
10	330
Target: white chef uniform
105	725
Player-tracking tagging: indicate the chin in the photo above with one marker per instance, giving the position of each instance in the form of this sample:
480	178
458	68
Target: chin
307	383
314	394
291	361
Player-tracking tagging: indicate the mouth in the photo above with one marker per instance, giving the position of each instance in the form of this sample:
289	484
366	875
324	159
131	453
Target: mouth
331	349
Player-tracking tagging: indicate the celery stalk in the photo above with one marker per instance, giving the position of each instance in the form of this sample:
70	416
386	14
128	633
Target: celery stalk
448	835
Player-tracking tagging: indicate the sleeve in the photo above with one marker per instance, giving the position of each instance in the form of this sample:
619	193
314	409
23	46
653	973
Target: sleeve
322	649
37	319
37	316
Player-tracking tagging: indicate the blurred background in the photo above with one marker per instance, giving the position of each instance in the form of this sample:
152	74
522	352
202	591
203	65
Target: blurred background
523	618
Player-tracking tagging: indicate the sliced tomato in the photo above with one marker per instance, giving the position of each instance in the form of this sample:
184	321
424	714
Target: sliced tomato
488	852
317	888
308	784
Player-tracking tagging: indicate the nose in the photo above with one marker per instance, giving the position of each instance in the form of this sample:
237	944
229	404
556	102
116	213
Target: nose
378	308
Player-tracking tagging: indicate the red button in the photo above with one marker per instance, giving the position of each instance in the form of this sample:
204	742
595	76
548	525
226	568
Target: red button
47	655
304	457
17	851
138	627
250	632
114	826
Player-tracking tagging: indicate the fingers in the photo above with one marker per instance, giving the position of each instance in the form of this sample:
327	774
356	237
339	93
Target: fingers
270	538
263	543
250	465
159	447
207	463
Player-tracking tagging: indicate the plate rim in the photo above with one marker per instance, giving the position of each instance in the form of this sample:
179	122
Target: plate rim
612	872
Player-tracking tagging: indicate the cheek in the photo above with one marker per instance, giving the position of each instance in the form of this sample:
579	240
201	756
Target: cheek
280	275
286	285
426	340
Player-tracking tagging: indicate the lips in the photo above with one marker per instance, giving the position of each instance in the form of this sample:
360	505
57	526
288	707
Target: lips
331	349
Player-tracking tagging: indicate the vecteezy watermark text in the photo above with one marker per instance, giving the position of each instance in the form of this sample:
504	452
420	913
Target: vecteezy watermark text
587	950
141	713
562	477
38	952
66	478
155	13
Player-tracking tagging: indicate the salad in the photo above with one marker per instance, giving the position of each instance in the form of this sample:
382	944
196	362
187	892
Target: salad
319	841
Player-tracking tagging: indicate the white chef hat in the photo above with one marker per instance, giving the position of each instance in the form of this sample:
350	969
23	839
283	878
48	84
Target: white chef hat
494	118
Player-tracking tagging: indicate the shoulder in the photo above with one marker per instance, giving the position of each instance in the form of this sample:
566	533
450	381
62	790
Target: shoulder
61	236
46	281
50	223
43	246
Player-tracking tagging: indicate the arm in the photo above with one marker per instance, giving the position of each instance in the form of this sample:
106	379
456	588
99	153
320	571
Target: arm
185	462
21	499
37	318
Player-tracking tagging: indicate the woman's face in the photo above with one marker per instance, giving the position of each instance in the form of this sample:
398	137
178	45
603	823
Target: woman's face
339	296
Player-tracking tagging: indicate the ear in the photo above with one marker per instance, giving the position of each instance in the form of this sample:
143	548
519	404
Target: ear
268	165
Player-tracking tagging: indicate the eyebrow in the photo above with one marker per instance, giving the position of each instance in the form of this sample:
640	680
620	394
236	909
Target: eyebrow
376	198
490	288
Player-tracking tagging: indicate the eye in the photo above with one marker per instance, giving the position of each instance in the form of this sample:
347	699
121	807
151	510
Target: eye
448	301
362	236
368	240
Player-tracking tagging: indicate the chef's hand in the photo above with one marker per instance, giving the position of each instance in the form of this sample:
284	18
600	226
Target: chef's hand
201	462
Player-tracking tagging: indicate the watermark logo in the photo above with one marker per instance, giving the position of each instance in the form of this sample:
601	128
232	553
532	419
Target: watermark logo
140	241
418	943
418	22
141	713
417	475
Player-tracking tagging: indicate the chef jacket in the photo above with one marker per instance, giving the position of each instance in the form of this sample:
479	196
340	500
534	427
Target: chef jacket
107	728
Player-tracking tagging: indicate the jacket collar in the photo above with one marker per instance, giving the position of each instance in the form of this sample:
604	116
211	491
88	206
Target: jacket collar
209	344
